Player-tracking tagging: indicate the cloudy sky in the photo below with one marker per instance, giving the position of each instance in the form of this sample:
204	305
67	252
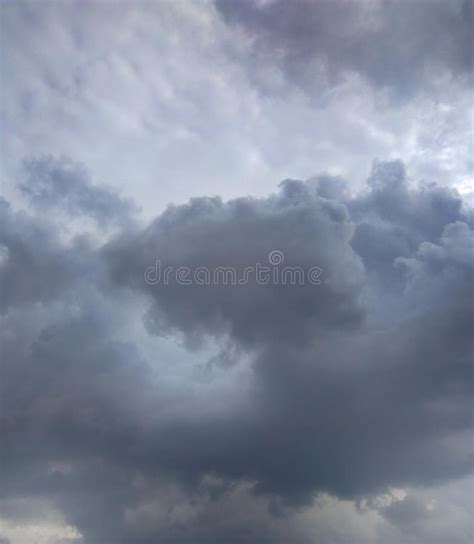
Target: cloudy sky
330	137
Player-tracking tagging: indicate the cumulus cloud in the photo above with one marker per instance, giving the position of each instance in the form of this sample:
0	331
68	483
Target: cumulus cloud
353	386
35	265
309	231
60	183
283	363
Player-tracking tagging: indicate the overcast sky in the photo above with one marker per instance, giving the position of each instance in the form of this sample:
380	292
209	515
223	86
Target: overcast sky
334	136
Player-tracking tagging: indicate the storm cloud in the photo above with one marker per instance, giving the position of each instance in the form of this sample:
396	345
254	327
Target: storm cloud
353	386
236	272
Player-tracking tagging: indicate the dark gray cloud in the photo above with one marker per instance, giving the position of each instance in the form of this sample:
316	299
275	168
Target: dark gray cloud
334	412
36	266
359	384
309	230
51	183
392	220
401	46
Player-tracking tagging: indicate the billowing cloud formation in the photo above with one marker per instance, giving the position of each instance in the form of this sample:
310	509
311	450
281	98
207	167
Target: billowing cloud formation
310	232
346	388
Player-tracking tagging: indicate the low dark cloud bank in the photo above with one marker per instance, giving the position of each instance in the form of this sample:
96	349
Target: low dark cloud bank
358	384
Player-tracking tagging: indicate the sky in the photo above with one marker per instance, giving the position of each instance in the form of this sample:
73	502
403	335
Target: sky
236	272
